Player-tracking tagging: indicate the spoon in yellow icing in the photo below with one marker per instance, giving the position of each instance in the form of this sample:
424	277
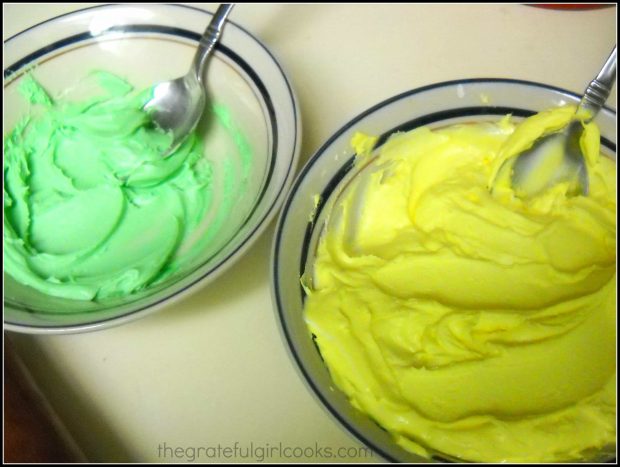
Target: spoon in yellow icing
557	157
176	106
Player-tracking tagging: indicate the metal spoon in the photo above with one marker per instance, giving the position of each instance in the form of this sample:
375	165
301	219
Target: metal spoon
571	167
177	105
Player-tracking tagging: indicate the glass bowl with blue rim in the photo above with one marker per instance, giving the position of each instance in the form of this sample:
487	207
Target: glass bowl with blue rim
317	186
147	44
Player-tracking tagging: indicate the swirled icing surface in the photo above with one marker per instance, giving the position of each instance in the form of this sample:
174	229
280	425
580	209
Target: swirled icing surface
92	209
467	320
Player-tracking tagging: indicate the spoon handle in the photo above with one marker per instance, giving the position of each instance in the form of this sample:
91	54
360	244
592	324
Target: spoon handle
598	90
209	39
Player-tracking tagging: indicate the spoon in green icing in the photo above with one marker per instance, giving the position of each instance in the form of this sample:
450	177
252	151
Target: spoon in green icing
176	106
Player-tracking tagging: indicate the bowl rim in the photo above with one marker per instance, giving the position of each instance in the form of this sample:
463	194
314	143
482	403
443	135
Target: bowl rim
246	241
284	213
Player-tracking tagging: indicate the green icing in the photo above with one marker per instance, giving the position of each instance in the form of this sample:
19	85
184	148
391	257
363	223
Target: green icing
245	151
91	208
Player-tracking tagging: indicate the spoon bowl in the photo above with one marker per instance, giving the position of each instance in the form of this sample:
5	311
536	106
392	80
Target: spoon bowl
553	159
176	108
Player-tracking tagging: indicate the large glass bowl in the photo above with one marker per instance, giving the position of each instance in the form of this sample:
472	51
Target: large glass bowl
146	44
300	221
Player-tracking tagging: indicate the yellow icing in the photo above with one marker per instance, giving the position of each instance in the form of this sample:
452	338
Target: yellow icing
466	320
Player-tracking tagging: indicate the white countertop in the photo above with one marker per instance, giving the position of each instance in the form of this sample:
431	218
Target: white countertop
212	371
